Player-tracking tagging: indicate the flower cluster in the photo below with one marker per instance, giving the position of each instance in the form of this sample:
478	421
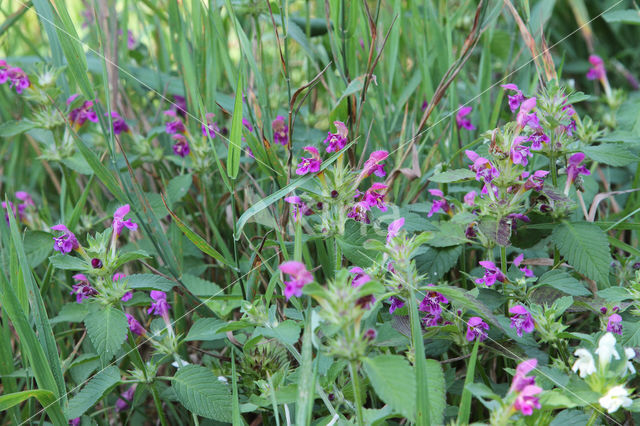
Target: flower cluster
299	278
20	209
16	77
431	305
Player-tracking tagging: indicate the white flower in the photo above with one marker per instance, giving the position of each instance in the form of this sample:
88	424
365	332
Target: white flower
606	349
585	363
631	354
617	397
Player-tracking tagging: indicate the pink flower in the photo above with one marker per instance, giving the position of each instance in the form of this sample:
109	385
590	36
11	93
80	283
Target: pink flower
614	324
72	98
525	117
491	274
470	198
299	278
526	401
574	168
373	197
536	180
476	329
518	260
337	141
311	164
247	124
65	243
135	326
514	100
461	119
82	289
280	131
360	277
597	71
520	380
75	422
483	167
119	222
126	398
181	147
395	304
359	212
79	116
519	152
394	228
538	138
372	166
521	320
300	208
159	306
18	79
438	205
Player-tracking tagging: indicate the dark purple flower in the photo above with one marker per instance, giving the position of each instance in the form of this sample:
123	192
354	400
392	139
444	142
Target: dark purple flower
126	398
536	180
180	105
574	168
431	319
373	197
79	116
280	131
537	139
521	320
597	71
603	310
75	422
484	169
119	125
174	127
300	208
514	100
96	263
66	242
518	260
360	277
18	79
359	212
211	128
337	141
159	306
181	147
135	326
366	302
476	329
438	205
127	296
299	278
309	165
461	118
431	302
82	289
396	303
370	334
491	274
614	324
119	222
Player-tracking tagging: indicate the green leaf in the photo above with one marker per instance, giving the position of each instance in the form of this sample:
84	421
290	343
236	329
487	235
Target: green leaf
200	391
45	398
12	128
631	333
352	242
98	386
560	280
71	312
200	287
465	404
613	154
453	176
626	16
68	262
615	294
130	256
107	328
437	389
37	246
149	282
307	377
584	245
287	332
206	329
394	381
437	261
235	136
178	187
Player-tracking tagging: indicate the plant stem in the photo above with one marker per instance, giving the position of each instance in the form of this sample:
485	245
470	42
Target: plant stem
158	402
593	418
503	259
355	381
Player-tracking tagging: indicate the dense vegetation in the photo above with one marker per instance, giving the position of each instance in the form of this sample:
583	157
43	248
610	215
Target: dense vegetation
319	212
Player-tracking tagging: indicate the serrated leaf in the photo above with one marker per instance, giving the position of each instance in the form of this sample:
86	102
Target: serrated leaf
584	245
99	385
560	280
352	243
200	287
631	333
107	328
68	262
497	231
437	261
200	392
287	332
71	312
615	294
206	329
448	234
612	154
149	282
130	256
453	176
384	372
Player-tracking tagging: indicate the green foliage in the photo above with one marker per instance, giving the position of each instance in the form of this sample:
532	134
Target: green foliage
202	393
107	329
98	385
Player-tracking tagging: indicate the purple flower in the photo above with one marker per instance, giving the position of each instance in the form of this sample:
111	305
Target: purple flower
491	274
394	228
359	212
159	306
300	208
181	147
395	304
96	263
18	79
280	131
135	326
174	126
75	422
309	165
72	98
373	166
520	380
211	128
514	100
574	168
247	124
119	222
538	138
127	296
431	302
470	198
366	302
526	401
431	319
299	278
438	205
521	320
461	119
370	334
518	260
65	243
360	277
597	71
119	125
536	180
519	152
126	398
476	329
337	141
180	105
614	324
82	289
483	167
373	197
79	116
525	116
